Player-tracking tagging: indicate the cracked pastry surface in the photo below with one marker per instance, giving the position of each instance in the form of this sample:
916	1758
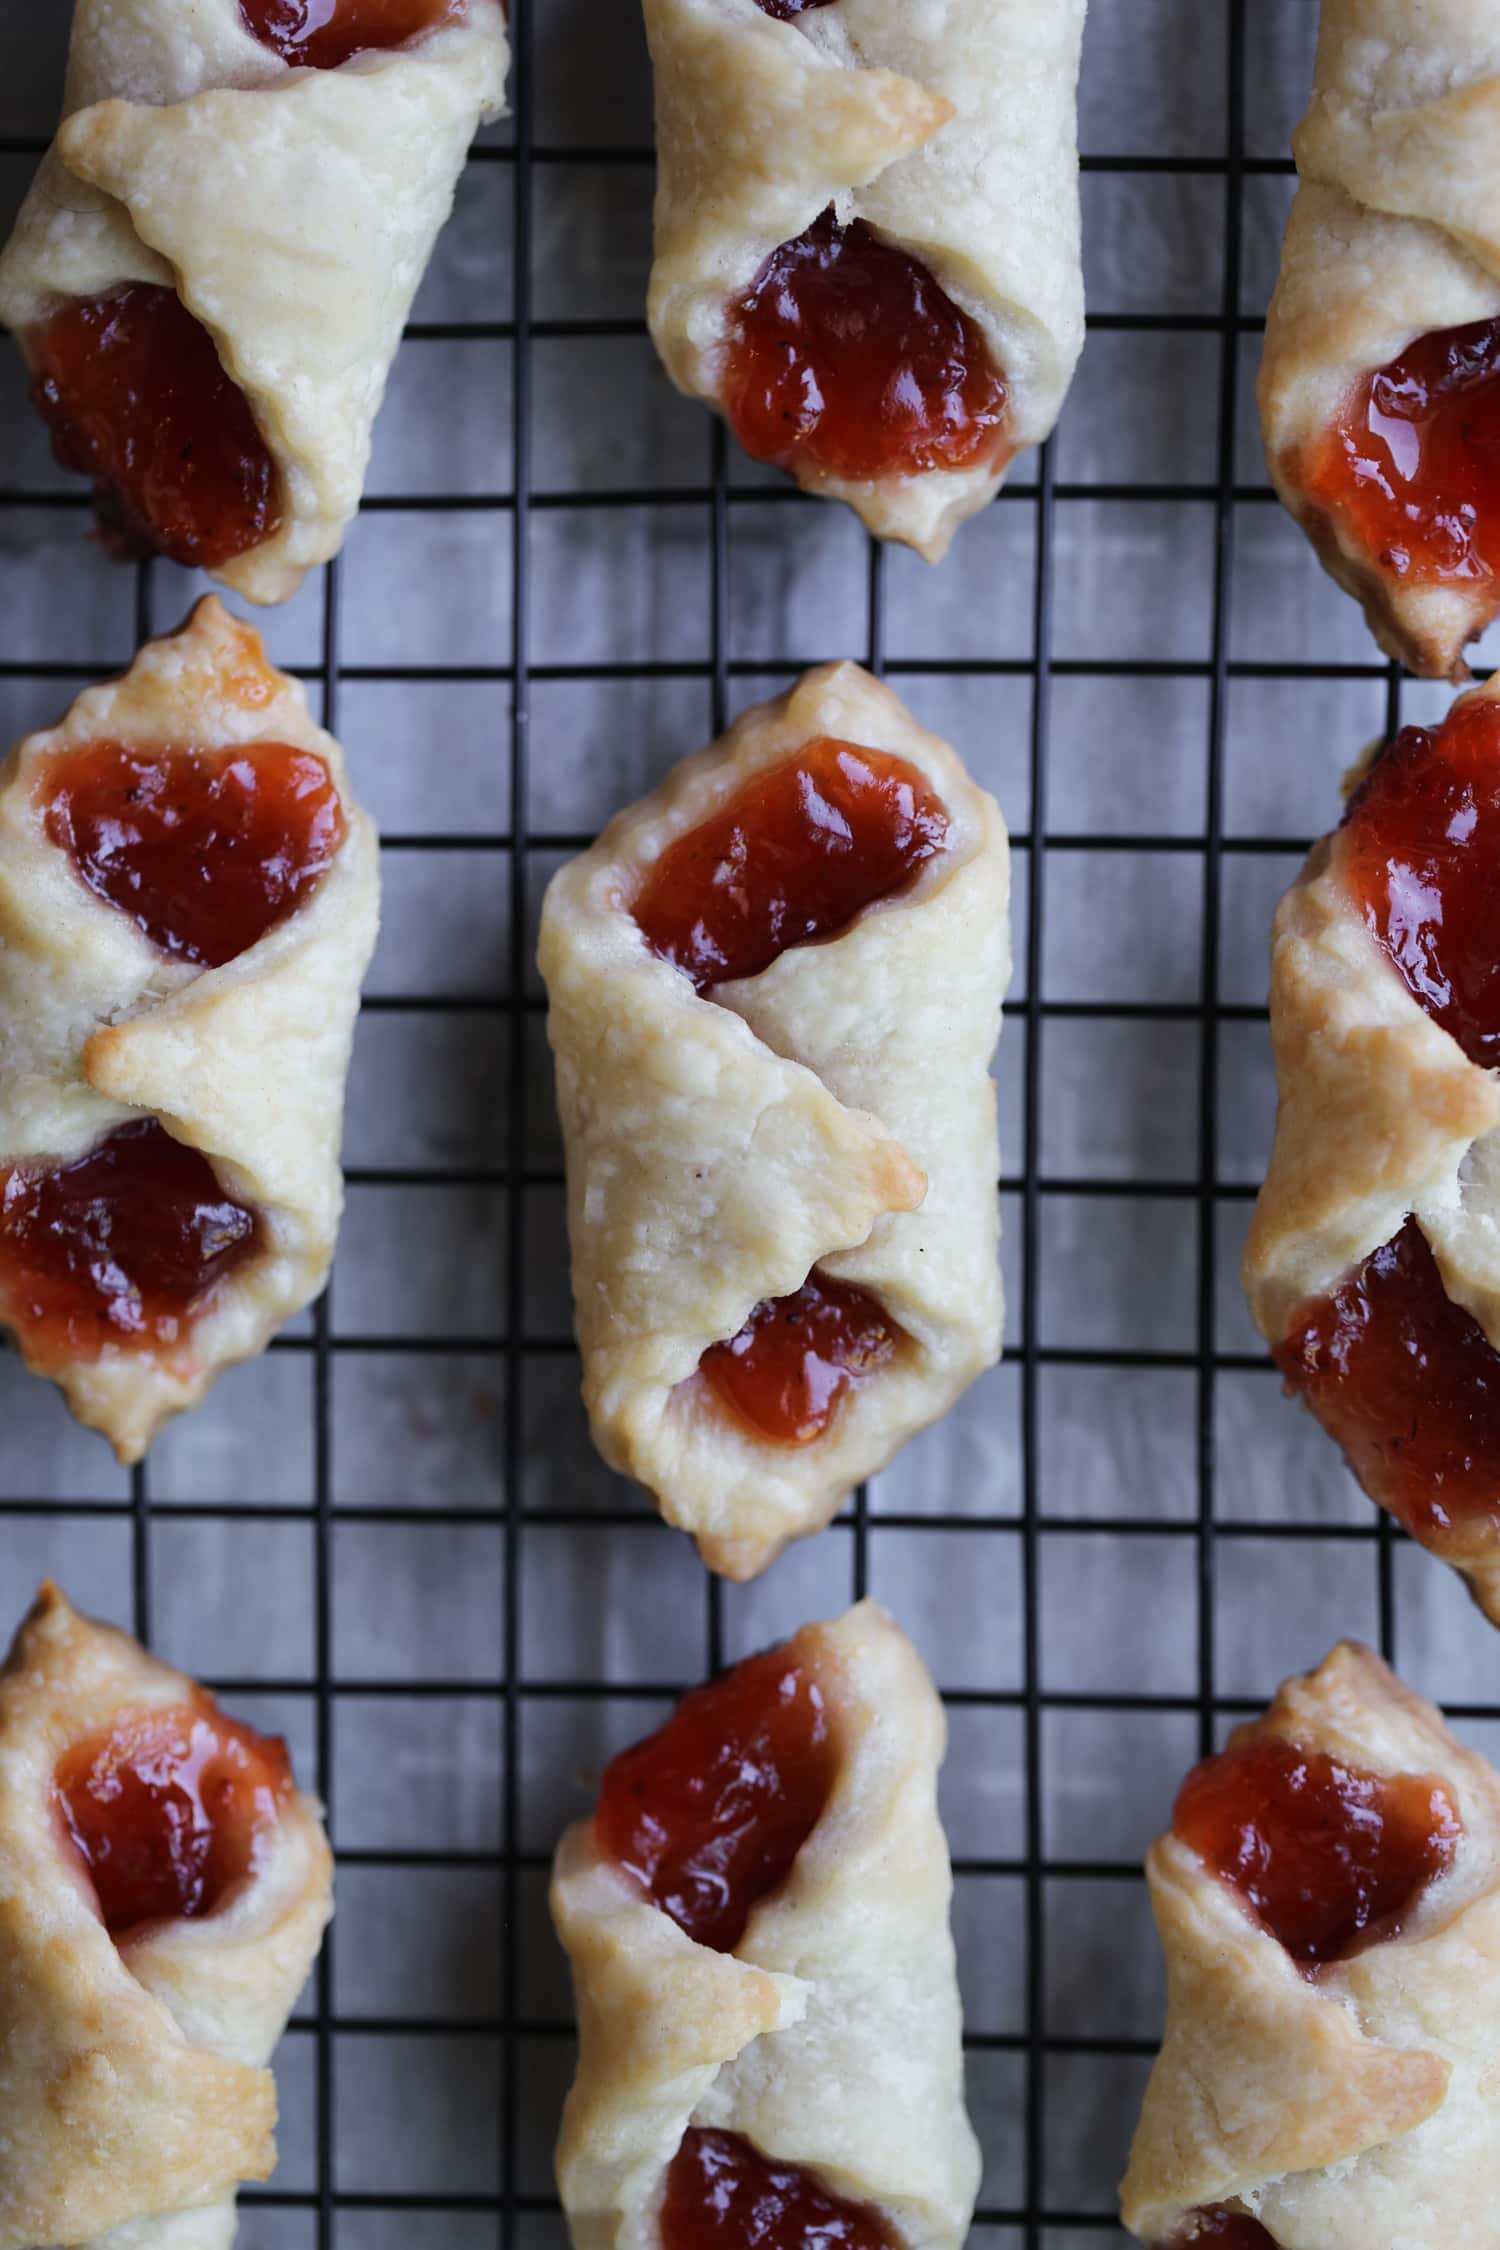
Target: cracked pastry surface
825	2040
820	1119
1348	2099
1372	1263
912	176
1380	381
170	1116
133	2079
259	326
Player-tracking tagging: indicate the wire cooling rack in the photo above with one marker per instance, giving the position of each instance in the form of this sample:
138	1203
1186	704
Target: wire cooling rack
389	1538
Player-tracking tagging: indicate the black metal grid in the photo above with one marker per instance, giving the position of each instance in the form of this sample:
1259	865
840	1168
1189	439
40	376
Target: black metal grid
1031	2217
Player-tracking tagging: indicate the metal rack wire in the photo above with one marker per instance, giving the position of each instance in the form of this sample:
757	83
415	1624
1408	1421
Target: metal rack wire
326	2210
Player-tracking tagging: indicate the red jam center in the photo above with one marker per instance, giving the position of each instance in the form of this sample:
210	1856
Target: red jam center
1404	1379
785	10
170	1810
798	1358
709	1813
795	856
135	397
120	1248
205	850
324	33
1328	1856
845	357
1419	852
1407	1383
722	2194
1231	2230
1412	465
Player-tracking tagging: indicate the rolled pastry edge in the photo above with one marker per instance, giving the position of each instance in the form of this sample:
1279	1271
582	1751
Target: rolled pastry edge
913	167
1357	287
851	1203
147	191
184	1048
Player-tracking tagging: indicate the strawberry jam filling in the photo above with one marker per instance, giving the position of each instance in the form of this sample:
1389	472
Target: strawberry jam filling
785	10
1408	1384
722	2194
1411	466
1327	1856
1216	2223
1402	1377
324	33
1418	853
797	1359
170	1810
708	1814
205	850
120	1248
846	359
793	857
133	392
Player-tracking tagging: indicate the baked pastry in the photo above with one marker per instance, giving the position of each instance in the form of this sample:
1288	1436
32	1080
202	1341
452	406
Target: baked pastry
213	355
867	239
757	1919
1380	384
1328	1898
188	899
1373	1259
774	988
164	1888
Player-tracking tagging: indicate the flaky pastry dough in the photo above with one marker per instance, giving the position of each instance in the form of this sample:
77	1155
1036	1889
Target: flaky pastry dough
134	2096
831	2036
1394	234
293	211
951	130
835	1111
1381	1117
1360	2105
246	1062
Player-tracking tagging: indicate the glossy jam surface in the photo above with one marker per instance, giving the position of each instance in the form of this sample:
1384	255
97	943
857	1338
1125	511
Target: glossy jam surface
708	1813
1328	1856
785	10
1231	2230
170	1810
846	358
119	1248
132	390
204	849
1419	852
794	857
1412	464
797	1359
722	2194
324	33
1407	1383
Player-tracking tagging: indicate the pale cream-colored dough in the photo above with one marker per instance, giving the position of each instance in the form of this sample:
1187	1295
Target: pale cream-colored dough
835	1111
950	128
1394	233
134	2093
1381	1117
246	1062
293	210
1360	2105
831	2036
